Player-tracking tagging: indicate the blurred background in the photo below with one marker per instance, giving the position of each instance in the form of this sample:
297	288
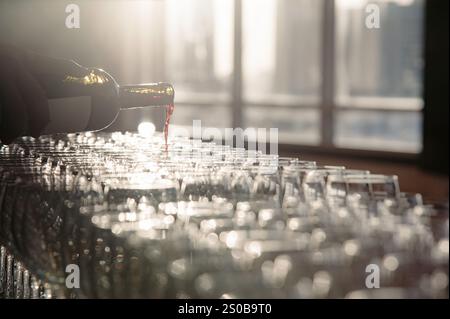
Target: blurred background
338	92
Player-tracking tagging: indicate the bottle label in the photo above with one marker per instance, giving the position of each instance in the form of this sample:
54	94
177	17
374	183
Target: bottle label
69	115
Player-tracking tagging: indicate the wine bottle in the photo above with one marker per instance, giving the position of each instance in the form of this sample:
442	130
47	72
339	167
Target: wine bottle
90	99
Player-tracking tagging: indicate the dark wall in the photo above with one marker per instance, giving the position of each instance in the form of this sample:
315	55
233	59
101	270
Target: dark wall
435	137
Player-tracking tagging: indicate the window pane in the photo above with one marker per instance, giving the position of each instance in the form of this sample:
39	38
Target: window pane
295	125
383	62
281	48
378	130
199	46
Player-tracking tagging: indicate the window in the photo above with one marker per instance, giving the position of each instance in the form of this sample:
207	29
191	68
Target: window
309	67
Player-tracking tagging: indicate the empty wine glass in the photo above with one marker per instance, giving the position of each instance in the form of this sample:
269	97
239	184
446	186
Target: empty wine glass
206	220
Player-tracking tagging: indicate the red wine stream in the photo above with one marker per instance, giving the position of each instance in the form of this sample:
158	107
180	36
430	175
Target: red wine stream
169	111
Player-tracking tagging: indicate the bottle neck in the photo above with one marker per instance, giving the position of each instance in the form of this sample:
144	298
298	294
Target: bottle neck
142	95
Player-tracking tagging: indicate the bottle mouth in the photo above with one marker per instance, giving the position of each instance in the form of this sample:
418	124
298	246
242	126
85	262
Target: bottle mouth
170	92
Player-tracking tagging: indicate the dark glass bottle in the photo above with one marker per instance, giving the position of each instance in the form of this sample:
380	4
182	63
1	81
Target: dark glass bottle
105	98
